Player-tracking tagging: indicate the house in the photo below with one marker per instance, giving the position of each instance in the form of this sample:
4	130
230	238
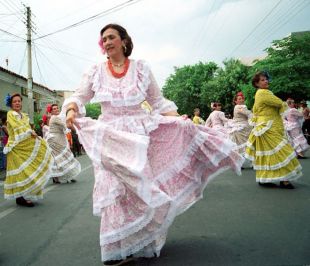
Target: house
11	82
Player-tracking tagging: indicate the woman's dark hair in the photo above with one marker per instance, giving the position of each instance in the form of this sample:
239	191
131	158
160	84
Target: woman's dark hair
15	95
124	37
257	76
289	101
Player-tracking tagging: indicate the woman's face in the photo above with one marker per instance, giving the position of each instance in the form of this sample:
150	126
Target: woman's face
112	43
218	108
240	100
263	83
292	104
17	103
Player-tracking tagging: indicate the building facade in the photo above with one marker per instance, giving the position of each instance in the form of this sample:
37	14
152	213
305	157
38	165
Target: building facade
11	83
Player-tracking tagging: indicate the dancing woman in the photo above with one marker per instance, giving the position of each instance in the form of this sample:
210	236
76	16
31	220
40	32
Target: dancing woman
293	124
28	157
149	166
217	119
273	157
65	167
240	129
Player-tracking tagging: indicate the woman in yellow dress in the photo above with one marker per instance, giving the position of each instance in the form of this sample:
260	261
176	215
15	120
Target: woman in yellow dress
28	157
273	157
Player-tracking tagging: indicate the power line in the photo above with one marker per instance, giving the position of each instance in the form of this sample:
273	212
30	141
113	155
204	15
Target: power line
13	9
253	30
66	53
12	34
54	67
4	40
73	12
99	15
291	13
40	73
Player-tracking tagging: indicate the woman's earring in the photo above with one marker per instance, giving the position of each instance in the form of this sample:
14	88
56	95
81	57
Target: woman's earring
125	48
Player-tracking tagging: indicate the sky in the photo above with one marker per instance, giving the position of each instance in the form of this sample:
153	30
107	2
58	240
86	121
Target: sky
166	34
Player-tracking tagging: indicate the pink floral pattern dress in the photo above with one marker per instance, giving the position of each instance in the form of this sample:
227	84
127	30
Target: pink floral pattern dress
293	120
148	168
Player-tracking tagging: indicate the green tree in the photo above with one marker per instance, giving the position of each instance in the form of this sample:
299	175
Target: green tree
93	110
288	63
36	120
187	85
228	81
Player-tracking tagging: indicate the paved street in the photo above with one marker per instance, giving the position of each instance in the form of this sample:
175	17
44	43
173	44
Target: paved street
236	223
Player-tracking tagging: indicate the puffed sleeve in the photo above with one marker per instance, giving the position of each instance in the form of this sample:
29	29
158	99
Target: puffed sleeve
223	118
155	98
296	113
272	100
242	109
209	122
83	93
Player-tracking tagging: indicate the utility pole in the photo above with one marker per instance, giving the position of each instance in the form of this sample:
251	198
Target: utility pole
29	61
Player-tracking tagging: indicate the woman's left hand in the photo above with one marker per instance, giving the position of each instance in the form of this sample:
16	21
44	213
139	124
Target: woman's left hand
33	134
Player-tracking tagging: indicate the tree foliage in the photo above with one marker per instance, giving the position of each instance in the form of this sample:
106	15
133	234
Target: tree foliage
228	81
93	110
185	87
199	85
288	63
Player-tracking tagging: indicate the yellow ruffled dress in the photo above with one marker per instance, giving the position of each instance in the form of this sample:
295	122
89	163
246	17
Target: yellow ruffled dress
273	157
28	160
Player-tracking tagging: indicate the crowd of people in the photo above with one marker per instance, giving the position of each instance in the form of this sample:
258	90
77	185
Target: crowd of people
271	138
150	163
31	160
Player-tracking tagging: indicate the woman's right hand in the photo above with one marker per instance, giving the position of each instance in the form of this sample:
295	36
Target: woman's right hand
70	118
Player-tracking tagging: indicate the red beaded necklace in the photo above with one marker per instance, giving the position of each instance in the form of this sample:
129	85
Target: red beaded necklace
123	73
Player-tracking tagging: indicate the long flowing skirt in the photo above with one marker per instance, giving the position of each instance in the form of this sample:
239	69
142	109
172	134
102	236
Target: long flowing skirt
28	169
239	133
145	178
273	157
65	166
296	137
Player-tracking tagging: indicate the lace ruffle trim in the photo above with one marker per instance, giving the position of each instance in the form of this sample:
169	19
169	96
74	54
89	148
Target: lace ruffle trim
134	94
293	175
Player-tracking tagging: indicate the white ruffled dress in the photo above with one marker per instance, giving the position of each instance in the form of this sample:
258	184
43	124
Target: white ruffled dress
293	120
148	168
240	129
219	122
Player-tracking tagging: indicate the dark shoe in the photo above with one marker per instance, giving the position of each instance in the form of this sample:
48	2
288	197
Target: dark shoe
71	181
55	181
118	262
270	185
22	202
287	185
301	157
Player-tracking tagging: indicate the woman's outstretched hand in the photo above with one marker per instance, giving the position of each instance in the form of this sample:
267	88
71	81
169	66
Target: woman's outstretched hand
70	118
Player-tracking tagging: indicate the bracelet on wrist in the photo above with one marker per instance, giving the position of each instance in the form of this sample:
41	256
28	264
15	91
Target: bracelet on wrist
69	109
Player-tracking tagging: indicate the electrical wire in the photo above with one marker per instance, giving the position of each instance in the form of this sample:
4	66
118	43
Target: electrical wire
66	53
99	15
12	34
255	28
39	69
54	67
291	13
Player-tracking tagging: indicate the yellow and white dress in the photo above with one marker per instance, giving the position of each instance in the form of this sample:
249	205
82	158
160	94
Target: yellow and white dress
28	160
273	157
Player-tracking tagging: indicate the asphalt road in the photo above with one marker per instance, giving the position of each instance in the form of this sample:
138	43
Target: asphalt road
236	223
